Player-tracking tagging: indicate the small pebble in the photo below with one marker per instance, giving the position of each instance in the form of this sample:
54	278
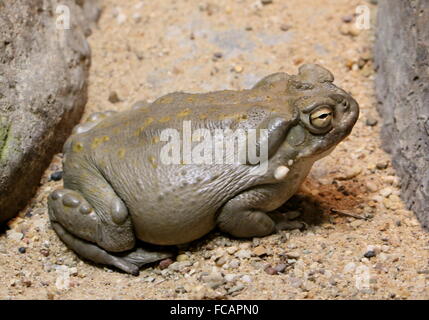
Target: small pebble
265	2
347	19
260	251
231	250
236	288
281	267
382	165
230	277
238	69
56	176
22	250
369	254
371	122
292	255
246	278
217	55
213	280
285	27
182	257
234	264
243	254
164	264
271	271
113	97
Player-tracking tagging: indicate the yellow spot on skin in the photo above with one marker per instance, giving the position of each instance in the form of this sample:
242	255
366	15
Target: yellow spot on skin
98	140
164	119
78	147
121	153
155	139
237	116
152	161
146	123
184	112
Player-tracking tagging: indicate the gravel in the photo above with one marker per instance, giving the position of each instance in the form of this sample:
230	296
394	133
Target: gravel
331	242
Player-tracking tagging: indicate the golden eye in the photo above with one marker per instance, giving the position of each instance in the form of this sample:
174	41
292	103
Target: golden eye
321	118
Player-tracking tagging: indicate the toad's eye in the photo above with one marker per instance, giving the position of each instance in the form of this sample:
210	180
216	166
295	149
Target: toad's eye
321	118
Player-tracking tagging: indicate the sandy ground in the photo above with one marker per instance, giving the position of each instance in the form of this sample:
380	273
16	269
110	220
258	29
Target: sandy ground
144	49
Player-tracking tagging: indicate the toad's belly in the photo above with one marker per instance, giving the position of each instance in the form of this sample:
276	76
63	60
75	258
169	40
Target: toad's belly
173	225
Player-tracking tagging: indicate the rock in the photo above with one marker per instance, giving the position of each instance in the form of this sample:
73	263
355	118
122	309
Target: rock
382	165
402	85
292	255
260	251
217	55
371	186
238	69
43	90
231	250
285	27
386	192
349	30
243	254
56	176
234	264
22	250
246	278
220	261
349	267
179	266
13	235
347	19
62	281
237	288
371	122
213	280
265	2
369	254
230	277
350	173
182	257
280	267
113	97
270	270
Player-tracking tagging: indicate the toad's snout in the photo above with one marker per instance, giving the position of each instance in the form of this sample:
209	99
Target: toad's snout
346	115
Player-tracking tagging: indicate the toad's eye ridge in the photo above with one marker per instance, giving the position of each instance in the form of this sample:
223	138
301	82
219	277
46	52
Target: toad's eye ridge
321	118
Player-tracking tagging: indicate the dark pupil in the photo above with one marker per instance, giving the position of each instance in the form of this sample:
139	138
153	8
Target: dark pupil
324	116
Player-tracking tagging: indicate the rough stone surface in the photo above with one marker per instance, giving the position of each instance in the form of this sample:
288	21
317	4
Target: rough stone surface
43	90
402	59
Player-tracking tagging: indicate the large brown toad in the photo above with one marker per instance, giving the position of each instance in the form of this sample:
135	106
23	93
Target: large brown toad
135	175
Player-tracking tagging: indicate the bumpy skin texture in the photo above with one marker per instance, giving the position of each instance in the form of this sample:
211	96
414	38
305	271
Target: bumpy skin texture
117	189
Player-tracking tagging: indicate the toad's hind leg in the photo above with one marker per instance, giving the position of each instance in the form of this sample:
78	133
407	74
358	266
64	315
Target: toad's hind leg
95	237
83	230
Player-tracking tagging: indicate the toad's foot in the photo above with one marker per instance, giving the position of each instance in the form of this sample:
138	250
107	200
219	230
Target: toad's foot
284	220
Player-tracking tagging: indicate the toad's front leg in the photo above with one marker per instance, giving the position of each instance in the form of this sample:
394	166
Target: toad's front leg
245	215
